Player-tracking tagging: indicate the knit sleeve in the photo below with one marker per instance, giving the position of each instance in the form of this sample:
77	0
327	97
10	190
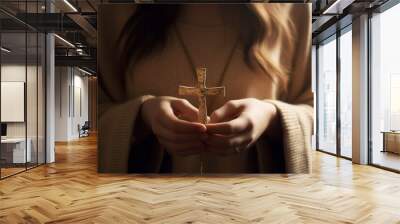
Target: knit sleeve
296	108
116	127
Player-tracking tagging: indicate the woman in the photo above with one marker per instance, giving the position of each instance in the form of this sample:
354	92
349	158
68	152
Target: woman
259	52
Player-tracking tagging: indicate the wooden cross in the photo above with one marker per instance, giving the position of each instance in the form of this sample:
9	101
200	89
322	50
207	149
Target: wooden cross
201	91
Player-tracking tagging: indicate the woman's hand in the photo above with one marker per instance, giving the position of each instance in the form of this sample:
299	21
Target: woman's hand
238	124
174	122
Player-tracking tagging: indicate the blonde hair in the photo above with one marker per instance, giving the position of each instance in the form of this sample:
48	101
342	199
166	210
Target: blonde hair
275	37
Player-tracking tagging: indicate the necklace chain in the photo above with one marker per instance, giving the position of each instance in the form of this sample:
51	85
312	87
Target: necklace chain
191	61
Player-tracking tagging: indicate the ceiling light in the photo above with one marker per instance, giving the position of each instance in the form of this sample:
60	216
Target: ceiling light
84	71
337	7
65	41
70	5
5	50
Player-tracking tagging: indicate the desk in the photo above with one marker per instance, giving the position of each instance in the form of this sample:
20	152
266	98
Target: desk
391	141
13	150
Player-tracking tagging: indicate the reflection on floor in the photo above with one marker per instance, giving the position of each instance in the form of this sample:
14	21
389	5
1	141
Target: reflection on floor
11	169
387	159
71	191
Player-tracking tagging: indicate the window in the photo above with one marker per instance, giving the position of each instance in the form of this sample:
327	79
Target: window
333	106
385	89
326	96
346	93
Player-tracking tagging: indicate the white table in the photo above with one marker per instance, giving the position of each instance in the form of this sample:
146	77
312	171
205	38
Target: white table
17	145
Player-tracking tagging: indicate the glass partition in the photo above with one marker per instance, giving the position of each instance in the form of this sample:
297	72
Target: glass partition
31	100
22	78
15	152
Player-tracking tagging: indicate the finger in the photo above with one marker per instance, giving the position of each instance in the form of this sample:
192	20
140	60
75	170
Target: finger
170	135
226	112
170	121
238	125
224	142
186	117
185	109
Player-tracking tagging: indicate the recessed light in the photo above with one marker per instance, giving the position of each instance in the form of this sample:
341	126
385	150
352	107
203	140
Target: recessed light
5	50
65	41
70	5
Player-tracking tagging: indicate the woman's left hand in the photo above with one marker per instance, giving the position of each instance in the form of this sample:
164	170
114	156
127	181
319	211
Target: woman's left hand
238	124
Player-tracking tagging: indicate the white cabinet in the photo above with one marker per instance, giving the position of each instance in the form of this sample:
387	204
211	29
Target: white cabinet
16	149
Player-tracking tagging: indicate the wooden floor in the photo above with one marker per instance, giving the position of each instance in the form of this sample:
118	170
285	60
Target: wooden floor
387	159
70	191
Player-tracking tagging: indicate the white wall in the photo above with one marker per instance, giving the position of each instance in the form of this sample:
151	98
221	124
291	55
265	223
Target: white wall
62	81
16	73
71	94
12	73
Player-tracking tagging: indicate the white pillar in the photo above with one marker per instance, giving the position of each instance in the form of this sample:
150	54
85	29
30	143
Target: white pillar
360	90
50	93
50	99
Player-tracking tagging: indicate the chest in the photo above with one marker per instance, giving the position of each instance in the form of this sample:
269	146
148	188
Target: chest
161	73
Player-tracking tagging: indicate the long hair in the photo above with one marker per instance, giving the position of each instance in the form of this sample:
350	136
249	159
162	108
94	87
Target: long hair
266	32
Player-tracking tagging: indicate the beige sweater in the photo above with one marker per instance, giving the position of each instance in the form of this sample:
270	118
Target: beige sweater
122	150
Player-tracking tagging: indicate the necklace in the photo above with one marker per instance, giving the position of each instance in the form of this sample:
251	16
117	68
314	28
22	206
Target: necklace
191	61
195	71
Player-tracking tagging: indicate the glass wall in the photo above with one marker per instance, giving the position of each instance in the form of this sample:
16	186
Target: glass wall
13	89
22	98
326	95
346	92
385	88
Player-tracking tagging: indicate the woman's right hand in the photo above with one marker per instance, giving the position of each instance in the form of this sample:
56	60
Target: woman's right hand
174	122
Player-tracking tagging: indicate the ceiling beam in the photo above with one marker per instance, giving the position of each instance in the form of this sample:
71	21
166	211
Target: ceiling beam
82	61
84	24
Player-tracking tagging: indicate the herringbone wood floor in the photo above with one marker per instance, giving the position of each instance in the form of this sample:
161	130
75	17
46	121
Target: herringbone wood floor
70	191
